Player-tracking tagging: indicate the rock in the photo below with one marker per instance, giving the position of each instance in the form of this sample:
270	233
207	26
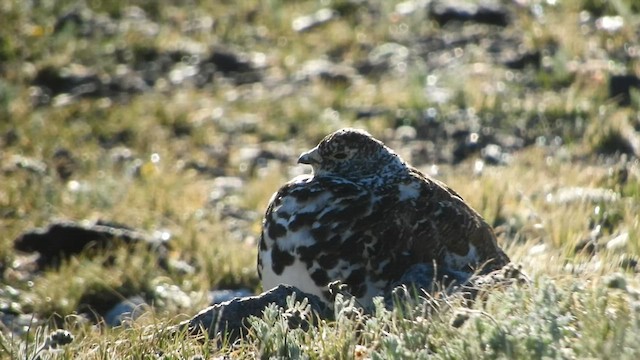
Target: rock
411	6
383	58
234	65
18	324
127	310
492	154
220	296
521	59
224	186
61	86
483	12
467	143
229	318
60	240
64	163
308	22
327	71
166	295
581	194
629	262
620	88
251	158
76	80
623	140
618	242
610	24
616	281
25	163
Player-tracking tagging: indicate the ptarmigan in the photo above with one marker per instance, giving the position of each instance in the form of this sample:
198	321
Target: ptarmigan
364	217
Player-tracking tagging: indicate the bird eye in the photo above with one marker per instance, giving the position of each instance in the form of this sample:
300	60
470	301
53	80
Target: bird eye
340	156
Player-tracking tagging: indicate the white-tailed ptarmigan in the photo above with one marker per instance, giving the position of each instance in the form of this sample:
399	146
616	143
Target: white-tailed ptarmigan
364	217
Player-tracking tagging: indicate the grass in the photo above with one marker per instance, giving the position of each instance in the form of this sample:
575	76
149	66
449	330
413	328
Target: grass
155	160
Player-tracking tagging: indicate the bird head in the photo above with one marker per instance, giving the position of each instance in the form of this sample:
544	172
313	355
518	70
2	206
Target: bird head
352	154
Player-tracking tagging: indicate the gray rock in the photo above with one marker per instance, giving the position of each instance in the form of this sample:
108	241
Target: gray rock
127	310
229	318
220	296
31	165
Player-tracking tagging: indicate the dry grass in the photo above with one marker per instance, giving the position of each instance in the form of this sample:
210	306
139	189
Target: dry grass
579	305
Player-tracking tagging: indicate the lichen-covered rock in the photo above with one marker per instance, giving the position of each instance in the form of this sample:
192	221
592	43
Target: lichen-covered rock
229	319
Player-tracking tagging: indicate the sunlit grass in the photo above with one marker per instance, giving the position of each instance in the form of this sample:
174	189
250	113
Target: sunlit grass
151	161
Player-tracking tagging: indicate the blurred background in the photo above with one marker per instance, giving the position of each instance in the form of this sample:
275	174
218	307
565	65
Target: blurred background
140	141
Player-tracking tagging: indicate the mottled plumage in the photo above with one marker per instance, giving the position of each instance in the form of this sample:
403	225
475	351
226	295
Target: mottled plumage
364	217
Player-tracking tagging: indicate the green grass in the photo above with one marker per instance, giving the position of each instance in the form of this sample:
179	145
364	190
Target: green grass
134	164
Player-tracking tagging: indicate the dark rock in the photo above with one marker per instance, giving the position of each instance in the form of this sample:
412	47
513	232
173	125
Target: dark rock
10	137
520	60
229	318
615	281
149	62
467	143
78	81
204	169
63	239
624	140
630	263
231	64
366	113
75	80
121	137
586	246
64	163
464	11
620	88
